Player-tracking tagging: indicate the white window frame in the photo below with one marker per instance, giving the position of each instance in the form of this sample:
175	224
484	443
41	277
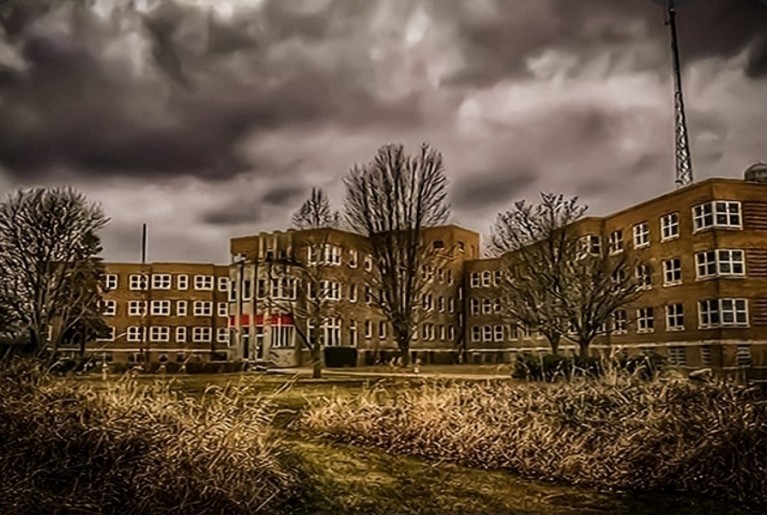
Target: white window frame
620	322
135	334
720	308
159	333
498	333
669	226
717	214
222	335
181	334
641	233
643	274
709	263
475	281
223	283
201	334
677	355
476	333
672	268
137	308
161	281
202	308
382	329
138	282
615	244
109	308
675	317
181	308
203	282
645	320
160	308
110	337
487	333
182	282
111	282
223	310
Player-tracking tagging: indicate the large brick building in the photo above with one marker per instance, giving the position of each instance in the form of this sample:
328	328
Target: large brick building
703	254
702	251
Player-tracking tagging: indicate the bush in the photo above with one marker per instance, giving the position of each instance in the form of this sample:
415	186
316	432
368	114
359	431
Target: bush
337	357
626	434
68	448
549	367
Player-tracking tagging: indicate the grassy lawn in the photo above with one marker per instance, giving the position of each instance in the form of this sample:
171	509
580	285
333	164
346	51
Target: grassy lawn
349	479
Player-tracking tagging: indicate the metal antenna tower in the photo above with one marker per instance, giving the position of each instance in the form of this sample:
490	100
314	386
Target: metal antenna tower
681	139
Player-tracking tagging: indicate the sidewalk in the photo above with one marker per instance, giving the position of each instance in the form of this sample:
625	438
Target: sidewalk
376	374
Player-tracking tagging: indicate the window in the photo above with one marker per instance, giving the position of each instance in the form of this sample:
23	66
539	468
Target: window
182	282
285	288
441	332
137	282
109	308
352	293
486	278
498	277
451	332
620	321
201	334
498	333
135	334
353	259
382	330
713	263
368	264
645	320
368	295
722	313
451	305
110	282
672	272
675	317
330	290
438	244
705	356
487	306
722	214
474	306
109	337
514	331
476	333
669	226
160	308
475	279
181	308
425	332
260	289
203	282
441	304
677	356
159	334
136	308
223	309
331	332
353	333
203	308
161	281
428	302
591	244
180	334
743	355
222	335
615	243
325	254
368	329
644	276
223	283
487	333
641	235
449	277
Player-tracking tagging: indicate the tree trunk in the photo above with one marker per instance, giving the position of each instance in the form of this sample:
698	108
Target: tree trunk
554	343
316	360
584	350
403	342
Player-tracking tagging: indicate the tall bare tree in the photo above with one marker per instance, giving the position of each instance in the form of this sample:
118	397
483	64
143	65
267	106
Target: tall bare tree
51	275
556	280
391	200
308	273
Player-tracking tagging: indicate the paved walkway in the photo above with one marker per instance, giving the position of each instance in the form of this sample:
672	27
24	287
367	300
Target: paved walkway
334	372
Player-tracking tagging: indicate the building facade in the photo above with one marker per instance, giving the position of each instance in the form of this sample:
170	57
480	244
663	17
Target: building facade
702	254
165	312
702	251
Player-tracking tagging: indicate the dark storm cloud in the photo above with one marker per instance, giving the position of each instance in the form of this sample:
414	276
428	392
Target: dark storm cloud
501	43
283	195
493	189
234	214
73	107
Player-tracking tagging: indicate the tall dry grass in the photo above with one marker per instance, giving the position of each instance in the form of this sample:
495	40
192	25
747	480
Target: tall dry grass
71	448
666	435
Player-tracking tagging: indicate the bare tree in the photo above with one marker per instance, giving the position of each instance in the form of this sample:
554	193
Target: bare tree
308	274
48	246
558	281
391	200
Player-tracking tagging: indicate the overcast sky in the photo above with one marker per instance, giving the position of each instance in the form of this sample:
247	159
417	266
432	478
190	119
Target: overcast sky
209	119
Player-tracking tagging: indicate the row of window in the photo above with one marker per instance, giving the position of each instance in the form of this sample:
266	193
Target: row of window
163	308
717	214
161	334
140	282
486	278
